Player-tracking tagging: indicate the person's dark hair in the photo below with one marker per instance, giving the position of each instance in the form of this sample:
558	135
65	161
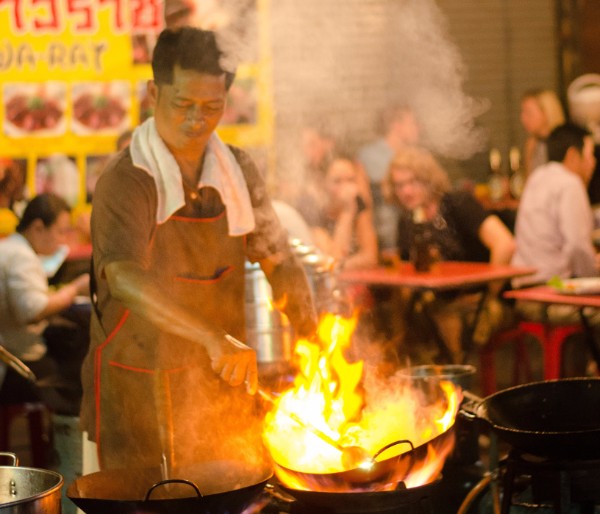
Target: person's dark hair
564	137
46	207
189	48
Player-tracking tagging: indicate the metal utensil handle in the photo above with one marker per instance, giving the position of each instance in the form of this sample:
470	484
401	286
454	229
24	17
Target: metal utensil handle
16	364
395	443
173	481
12	456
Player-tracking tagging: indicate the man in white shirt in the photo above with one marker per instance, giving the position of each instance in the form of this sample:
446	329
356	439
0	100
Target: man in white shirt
26	301
554	222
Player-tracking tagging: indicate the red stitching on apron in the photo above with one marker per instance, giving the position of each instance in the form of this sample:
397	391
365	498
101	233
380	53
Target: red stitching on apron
198	220
98	366
131	368
144	370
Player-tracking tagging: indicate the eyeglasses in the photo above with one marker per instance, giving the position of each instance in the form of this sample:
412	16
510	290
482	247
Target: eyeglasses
401	184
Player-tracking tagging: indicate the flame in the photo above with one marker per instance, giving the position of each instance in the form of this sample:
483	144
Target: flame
331	406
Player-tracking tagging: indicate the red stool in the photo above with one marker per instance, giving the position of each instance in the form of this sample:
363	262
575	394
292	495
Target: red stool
38	438
521	366
551	339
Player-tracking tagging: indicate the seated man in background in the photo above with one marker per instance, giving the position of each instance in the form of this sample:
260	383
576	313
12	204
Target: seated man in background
554	227
460	230
26	304
399	128
554	221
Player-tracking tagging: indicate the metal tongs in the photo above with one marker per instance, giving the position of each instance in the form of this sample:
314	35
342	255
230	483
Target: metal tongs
17	364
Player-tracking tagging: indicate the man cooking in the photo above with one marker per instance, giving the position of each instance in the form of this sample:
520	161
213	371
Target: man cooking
175	214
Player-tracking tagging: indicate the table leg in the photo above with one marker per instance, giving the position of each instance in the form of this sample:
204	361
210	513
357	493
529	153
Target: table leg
589	338
470	328
445	353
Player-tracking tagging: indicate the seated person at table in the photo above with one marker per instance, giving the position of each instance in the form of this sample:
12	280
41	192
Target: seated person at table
27	303
554	231
460	228
554	224
342	225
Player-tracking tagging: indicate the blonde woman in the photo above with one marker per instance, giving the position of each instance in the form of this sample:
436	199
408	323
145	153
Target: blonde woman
459	226
541	112
462	229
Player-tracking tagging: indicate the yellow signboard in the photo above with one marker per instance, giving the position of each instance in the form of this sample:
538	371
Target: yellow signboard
73	78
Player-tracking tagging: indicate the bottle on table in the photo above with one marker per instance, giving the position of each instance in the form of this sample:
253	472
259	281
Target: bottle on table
423	251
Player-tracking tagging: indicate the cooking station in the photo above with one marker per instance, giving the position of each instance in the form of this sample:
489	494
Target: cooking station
541	464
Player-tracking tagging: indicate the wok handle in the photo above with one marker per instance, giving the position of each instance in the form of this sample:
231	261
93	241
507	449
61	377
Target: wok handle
395	443
470	404
173	481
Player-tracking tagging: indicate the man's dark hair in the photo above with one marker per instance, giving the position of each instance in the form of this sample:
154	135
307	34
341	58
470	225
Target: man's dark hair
190	49
46	207
564	137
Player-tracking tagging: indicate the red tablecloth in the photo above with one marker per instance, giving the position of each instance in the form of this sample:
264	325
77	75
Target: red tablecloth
546	294
443	276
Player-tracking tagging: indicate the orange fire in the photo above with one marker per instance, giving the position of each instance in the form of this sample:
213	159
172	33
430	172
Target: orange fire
332	406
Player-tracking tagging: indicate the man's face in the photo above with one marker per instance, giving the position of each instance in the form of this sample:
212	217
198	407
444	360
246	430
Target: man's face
49	239
410	192
315	146
187	111
406	126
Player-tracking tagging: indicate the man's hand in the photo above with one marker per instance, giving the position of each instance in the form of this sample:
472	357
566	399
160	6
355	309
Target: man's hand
82	284
235	363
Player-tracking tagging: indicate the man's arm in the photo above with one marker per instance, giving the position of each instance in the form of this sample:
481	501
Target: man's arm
62	298
233	361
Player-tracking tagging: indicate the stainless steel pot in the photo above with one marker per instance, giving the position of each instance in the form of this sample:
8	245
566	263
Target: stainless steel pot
267	330
28	490
319	270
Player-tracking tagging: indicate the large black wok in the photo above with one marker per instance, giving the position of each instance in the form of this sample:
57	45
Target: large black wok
216	487
552	418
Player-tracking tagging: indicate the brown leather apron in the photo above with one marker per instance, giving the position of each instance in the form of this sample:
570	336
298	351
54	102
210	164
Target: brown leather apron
156	393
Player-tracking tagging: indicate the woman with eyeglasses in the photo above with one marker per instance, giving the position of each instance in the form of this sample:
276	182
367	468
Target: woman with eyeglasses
458	226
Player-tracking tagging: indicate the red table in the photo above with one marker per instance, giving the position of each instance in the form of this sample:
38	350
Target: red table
548	295
444	276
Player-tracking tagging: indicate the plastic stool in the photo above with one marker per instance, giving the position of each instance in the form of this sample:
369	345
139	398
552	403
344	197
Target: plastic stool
38	440
551	337
521	367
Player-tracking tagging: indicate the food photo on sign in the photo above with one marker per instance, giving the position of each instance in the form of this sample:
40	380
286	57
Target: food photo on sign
34	109
101	107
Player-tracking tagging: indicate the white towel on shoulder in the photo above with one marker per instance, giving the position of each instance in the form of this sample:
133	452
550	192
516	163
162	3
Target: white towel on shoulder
221	171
